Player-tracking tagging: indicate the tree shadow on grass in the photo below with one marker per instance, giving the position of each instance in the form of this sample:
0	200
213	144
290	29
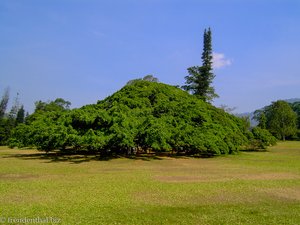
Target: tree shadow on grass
77	157
145	157
56	157
254	150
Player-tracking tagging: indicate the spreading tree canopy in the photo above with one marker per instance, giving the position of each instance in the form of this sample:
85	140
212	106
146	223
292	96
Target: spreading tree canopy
143	116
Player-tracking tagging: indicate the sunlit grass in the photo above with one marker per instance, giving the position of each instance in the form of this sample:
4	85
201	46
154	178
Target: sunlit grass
249	188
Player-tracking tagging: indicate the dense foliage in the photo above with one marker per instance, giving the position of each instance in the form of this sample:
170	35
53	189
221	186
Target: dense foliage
280	118
8	121
142	116
262	138
296	108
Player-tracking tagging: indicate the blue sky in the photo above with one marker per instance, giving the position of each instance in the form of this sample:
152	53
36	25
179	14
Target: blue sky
85	50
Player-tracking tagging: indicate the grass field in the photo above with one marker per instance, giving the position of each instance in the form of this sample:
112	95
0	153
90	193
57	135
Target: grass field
249	188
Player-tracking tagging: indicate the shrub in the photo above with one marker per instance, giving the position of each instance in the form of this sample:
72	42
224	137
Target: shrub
262	138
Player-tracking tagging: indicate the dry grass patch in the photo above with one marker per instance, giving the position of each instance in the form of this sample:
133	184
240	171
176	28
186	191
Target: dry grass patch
283	194
270	176
23	198
16	177
213	177
200	198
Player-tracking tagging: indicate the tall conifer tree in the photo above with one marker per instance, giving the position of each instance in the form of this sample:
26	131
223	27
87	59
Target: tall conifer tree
200	78
4	102
20	115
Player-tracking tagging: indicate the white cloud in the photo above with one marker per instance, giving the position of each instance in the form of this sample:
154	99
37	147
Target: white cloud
219	60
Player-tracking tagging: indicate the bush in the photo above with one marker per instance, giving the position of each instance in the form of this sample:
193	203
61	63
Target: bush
262	138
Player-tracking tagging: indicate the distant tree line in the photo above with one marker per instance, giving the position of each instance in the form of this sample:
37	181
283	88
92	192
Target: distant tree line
10	120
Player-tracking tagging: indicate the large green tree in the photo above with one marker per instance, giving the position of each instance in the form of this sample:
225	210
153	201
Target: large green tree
296	107
200	78
144	116
281	119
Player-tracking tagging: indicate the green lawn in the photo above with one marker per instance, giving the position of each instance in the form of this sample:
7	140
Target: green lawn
249	188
